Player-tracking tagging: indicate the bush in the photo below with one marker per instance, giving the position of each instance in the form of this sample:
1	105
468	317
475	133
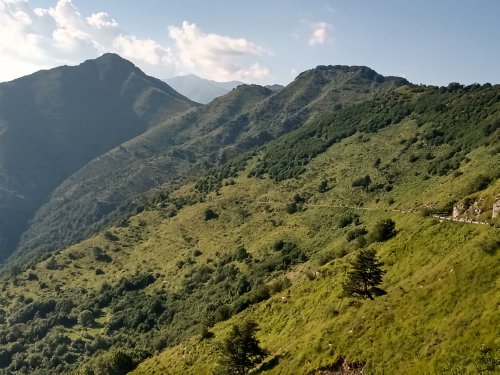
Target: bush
383	230
323	187
363	182
210	214
292	208
110	236
356	233
86	318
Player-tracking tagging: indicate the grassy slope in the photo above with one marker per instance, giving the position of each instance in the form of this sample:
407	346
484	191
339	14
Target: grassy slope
245	118
442	287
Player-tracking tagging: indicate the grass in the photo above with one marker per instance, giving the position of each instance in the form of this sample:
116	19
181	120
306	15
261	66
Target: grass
440	312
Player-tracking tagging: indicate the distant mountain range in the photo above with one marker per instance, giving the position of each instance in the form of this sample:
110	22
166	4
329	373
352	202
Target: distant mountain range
204	90
199	89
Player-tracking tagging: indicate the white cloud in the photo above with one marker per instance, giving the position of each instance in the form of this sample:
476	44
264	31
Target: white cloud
320	33
101	20
145	50
40	38
215	56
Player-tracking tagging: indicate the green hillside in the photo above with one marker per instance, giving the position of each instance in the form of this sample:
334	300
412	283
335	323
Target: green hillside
187	145
269	236
54	122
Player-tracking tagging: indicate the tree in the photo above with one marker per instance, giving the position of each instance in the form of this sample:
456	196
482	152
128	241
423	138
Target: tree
241	350
323	186
210	214
363	182
86	318
383	230
365	274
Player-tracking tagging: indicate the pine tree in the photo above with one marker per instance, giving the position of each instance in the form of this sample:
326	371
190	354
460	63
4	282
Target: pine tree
241	350
365	274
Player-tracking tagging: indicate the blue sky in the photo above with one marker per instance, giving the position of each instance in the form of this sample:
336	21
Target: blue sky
433	42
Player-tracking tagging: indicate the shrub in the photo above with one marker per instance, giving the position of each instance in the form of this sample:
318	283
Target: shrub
210	214
86	318
363	182
356	233
292	208
323	186
383	230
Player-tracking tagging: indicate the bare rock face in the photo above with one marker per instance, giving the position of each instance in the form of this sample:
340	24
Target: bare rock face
496	208
458	210
469	208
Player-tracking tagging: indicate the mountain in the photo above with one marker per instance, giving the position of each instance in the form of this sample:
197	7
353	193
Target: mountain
199	89
108	188
54	122
275	87
270	236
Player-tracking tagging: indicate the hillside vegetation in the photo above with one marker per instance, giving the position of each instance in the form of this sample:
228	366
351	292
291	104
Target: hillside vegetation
268	236
108	187
54	122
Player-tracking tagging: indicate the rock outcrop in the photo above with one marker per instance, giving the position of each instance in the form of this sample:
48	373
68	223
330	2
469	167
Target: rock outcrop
496	208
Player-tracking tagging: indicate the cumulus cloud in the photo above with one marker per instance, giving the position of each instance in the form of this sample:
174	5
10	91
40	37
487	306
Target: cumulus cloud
215	56
39	38
320	33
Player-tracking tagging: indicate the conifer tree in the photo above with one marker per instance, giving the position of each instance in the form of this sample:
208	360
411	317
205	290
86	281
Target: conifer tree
241	351
365	274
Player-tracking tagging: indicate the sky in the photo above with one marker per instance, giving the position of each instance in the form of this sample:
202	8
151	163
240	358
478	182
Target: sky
258	41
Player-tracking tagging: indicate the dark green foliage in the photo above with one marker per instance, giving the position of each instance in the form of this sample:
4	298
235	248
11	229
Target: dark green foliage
285	255
490	246
113	362
110	236
86	318
212	181
348	219
139	281
364	276
323	186
292	208
210	214
488	360
240	351
286	158
99	254
383	230
355	233
241	254
363	182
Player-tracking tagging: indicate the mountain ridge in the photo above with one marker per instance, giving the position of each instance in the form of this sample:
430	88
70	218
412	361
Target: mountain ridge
57	120
190	143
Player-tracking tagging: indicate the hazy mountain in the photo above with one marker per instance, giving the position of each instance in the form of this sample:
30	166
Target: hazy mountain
199	89
184	146
54	122
275	87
